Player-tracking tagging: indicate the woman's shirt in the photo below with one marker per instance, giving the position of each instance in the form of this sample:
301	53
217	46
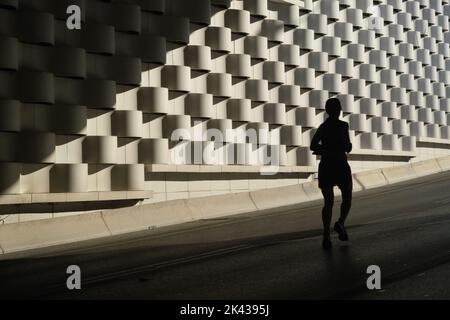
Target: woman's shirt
332	140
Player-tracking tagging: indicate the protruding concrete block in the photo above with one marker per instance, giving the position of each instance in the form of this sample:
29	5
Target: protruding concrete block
239	110
218	39
223	128
37	147
379	125
390	142
219	84
369	140
306	117
10	182
100	149
400	127
344	66
239	65
332	46
305	78
289	95
256	47
198	58
273	72
347	102
176	127
317	22
291	135
128	177
289	15
368	106
317	98
275	113
176	78
273	30
331	82
154	151
344	30
199	105
127	123
257	90
10	115
69	178
238	21
318	61
289	54
304	38
153	99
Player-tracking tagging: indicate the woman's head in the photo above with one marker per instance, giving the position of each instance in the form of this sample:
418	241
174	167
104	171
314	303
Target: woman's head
333	107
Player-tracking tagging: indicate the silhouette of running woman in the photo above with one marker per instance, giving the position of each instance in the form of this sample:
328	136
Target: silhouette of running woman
332	142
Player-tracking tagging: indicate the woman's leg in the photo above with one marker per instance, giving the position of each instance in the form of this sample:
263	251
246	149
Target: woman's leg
346	203
327	210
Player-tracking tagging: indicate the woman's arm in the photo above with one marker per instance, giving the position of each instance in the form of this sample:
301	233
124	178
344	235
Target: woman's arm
348	144
316	147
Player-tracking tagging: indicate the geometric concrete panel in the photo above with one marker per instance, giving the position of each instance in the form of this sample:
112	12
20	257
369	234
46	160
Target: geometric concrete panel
199	105
10	115
10	182
154	151
127	123
69	178
239	110
146	82
153	99
100	150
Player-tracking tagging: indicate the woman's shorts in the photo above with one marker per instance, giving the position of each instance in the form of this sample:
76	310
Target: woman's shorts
335	173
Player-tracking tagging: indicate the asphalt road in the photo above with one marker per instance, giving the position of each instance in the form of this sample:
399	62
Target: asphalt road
277	254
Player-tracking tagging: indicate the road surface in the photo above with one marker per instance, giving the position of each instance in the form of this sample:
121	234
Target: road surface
404	229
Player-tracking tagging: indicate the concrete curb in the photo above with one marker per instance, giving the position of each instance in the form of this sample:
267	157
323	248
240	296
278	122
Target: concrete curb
371	179
279	197
444	163
312	190
42	233
222	205
427	167
146	217
399	174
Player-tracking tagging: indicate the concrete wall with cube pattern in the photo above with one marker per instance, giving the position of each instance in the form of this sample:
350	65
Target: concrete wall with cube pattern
94	114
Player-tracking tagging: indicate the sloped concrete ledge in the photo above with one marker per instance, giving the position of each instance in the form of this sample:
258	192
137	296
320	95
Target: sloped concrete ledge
284	196
444	163
42	233
371	179
399	174
141	218
427	167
